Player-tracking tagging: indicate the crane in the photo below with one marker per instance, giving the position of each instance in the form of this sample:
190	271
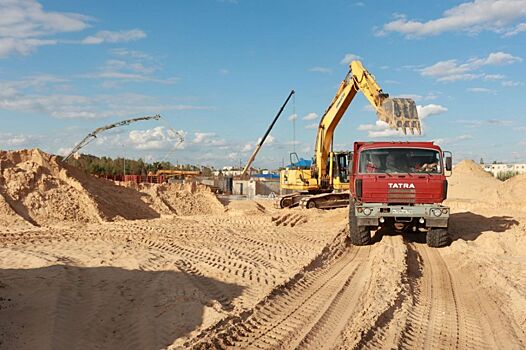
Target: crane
314	187
92	135
258	147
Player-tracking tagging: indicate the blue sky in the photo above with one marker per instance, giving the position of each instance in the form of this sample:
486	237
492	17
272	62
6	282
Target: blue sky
219	70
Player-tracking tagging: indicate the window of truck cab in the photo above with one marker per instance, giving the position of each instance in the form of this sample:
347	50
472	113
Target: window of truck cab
400	160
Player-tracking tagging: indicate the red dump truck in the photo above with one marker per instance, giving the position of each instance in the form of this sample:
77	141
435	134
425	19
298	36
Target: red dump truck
401	186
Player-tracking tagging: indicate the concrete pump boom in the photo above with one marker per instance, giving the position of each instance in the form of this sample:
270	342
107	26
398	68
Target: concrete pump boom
91	136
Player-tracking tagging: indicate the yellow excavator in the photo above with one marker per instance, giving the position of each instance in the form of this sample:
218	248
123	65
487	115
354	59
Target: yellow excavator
326	183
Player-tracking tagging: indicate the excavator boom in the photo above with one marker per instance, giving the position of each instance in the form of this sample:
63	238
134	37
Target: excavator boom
328	172
397	113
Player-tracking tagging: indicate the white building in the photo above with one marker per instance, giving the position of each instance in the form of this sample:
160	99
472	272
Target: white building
495	169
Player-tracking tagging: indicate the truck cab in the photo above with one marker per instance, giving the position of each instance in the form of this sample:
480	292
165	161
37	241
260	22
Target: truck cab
401	186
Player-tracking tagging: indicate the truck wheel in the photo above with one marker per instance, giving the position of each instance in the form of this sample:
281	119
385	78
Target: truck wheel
359	235
437	237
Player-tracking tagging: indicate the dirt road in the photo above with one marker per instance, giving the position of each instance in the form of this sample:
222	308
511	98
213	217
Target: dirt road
253	277
397	293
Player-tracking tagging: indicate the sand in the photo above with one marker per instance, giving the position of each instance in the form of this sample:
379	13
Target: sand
87	263
36	188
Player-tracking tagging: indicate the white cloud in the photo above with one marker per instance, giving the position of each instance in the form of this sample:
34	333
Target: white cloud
123	71
318	69
511	83
293	117
429	96
452	70
310	116
492	77
270	139
8	140
482	90
296	142
25	26
131	54
247	148
519	28
311	126
208	139
472	17
19	46
349	57
224	71
381	128
477	123
154	139
498	58
452	140
134	66
430	109
26	95
106	36
64	151
202	137
27	18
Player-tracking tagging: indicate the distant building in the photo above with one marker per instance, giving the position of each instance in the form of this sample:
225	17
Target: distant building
231	171
495	169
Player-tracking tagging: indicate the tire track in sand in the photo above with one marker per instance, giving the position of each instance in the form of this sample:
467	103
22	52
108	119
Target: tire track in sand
438	310
459	315
302	313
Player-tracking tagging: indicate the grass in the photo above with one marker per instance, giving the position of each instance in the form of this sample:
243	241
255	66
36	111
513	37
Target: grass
505	175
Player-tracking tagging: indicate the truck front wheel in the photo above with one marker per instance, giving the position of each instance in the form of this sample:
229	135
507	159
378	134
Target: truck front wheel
437	237
359	235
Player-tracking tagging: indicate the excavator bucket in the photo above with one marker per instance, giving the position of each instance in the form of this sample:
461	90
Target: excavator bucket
400	113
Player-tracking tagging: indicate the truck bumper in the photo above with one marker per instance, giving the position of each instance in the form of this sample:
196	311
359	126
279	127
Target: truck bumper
374	214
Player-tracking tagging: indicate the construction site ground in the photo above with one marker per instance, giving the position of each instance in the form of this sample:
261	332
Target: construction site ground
161	267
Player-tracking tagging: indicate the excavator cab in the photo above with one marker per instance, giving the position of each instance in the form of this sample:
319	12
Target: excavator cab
339	170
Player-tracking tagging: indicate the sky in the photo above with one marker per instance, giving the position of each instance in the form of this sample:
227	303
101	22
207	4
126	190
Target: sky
218	71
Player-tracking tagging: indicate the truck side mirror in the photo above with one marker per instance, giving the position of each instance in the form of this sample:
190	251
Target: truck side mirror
449	163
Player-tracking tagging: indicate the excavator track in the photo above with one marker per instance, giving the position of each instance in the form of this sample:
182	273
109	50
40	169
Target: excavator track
289	200
325	201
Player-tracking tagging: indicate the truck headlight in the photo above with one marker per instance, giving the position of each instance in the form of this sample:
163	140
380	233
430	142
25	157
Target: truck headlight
436	212
367	211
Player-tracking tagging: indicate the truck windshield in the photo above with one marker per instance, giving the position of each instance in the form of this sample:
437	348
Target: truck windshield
400	160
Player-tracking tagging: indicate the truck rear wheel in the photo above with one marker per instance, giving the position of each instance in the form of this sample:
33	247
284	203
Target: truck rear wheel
437	237
359	235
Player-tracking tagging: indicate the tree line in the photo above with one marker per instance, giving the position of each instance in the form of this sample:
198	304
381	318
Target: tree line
118	166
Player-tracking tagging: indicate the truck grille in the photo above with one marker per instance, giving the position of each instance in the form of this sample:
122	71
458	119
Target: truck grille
401	195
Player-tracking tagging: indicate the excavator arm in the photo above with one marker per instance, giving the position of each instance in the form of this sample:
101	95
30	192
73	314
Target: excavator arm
398	113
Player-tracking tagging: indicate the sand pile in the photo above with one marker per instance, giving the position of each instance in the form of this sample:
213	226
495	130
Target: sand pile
470	187
469	182
181	199
512	193
36	188
40	191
